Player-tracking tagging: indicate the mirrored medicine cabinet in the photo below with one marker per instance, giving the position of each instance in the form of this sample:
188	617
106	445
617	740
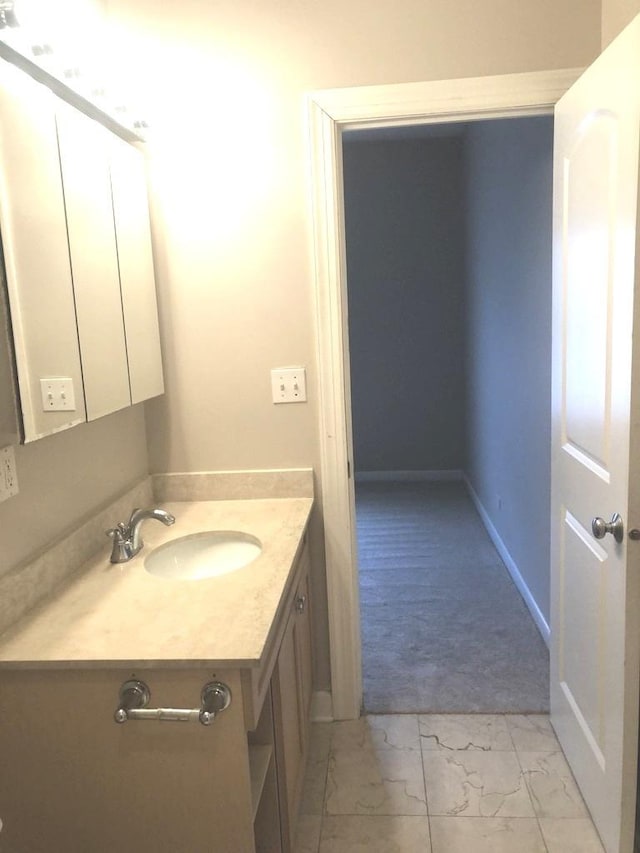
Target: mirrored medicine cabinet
9	420
80	338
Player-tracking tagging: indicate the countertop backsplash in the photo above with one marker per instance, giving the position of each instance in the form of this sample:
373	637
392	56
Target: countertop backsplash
233	485
24	587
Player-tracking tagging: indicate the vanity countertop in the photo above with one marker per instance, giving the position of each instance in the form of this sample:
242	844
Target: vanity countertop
110	615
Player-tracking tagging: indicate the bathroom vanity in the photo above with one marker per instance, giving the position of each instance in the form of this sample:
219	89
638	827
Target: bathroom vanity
75	779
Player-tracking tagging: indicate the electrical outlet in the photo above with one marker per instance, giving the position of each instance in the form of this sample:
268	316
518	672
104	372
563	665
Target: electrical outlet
289	385
8	474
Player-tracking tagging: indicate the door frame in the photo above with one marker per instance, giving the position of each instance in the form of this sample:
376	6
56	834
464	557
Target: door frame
330	113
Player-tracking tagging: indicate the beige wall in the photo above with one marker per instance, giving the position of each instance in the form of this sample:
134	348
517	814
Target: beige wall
616	14
65	478
223	84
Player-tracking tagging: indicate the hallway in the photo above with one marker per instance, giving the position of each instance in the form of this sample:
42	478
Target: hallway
444	629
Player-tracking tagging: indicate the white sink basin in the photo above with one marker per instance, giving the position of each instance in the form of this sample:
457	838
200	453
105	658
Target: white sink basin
203	555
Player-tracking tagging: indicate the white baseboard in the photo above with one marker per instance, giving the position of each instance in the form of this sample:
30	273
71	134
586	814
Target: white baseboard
512	568
321	707
407	476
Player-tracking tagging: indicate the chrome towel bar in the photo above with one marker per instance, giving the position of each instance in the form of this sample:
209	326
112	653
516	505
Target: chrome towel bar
134	697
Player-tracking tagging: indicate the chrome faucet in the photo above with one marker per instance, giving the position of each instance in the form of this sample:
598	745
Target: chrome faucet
127	540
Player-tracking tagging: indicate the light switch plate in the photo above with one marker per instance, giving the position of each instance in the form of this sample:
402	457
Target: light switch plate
8	475
58	394
289	385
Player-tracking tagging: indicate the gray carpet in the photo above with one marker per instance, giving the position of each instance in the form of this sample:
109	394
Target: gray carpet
444	629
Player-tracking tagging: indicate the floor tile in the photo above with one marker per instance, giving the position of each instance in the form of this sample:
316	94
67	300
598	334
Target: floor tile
308	834
570	835
375	834
486	835
383	782
475	784
487	778
320	740
532	733
466	732
553	790
399	731
315	778
314	786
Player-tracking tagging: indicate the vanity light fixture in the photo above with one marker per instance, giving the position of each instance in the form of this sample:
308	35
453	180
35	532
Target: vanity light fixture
37	40
7	14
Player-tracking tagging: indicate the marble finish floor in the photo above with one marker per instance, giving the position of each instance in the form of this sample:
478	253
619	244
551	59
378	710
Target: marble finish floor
429	783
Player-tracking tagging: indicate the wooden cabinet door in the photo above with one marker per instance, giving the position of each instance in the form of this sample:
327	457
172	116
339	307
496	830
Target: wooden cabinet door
292	699
74	781
303	643
290	745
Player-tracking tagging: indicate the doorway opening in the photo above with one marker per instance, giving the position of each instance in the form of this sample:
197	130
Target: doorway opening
448	244
331	113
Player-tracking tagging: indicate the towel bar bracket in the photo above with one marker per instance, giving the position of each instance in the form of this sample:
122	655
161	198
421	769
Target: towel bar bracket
134	697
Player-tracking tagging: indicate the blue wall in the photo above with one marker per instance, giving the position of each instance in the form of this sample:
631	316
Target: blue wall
509	206
449	280
404	202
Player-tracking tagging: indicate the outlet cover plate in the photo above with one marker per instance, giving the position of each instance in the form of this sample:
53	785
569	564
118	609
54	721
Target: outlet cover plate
289	385
8	474
58	394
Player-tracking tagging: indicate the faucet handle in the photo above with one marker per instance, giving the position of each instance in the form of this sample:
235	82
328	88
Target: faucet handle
118	533
121	551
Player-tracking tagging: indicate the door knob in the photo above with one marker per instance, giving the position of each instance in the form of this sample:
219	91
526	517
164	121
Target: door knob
600	527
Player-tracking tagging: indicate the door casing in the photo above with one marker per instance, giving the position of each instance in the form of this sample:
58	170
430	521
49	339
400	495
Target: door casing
330	113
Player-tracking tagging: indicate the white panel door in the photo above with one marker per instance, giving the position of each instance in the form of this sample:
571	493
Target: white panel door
595	613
